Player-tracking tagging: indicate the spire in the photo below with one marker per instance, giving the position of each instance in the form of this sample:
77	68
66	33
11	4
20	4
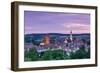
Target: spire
71	32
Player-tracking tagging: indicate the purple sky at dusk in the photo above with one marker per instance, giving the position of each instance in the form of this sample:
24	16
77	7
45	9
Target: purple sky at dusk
54	22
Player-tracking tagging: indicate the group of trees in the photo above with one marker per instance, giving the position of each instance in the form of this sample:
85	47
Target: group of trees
33	55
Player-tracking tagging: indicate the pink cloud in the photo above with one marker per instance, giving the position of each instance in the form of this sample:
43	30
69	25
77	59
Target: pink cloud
76	27
64	28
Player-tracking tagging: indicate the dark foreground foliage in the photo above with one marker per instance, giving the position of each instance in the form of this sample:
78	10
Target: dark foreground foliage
33	55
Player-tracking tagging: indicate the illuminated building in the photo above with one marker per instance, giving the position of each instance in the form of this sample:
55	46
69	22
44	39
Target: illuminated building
46	40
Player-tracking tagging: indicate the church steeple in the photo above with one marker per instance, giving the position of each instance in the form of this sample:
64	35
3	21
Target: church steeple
71	37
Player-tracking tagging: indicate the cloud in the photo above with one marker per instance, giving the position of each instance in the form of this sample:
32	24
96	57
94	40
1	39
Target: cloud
63	28
77	27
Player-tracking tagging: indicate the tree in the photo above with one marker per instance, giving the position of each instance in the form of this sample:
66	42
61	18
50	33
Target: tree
47	55
80	54
54	55
32	55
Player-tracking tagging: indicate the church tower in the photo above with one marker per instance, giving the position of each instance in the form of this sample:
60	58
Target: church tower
71	37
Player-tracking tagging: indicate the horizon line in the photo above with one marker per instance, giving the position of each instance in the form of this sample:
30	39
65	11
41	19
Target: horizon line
57	33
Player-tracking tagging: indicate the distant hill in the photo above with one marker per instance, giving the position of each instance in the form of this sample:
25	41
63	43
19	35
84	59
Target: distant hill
33	34
39	36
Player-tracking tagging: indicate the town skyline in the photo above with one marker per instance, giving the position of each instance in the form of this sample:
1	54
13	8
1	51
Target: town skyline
54	22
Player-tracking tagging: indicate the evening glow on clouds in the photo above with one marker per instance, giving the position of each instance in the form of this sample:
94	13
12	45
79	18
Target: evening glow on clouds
77	28
56	22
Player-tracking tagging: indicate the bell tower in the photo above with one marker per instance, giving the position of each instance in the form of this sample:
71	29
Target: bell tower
71	37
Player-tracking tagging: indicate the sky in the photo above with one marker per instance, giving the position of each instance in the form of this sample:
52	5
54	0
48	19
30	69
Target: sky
56	22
